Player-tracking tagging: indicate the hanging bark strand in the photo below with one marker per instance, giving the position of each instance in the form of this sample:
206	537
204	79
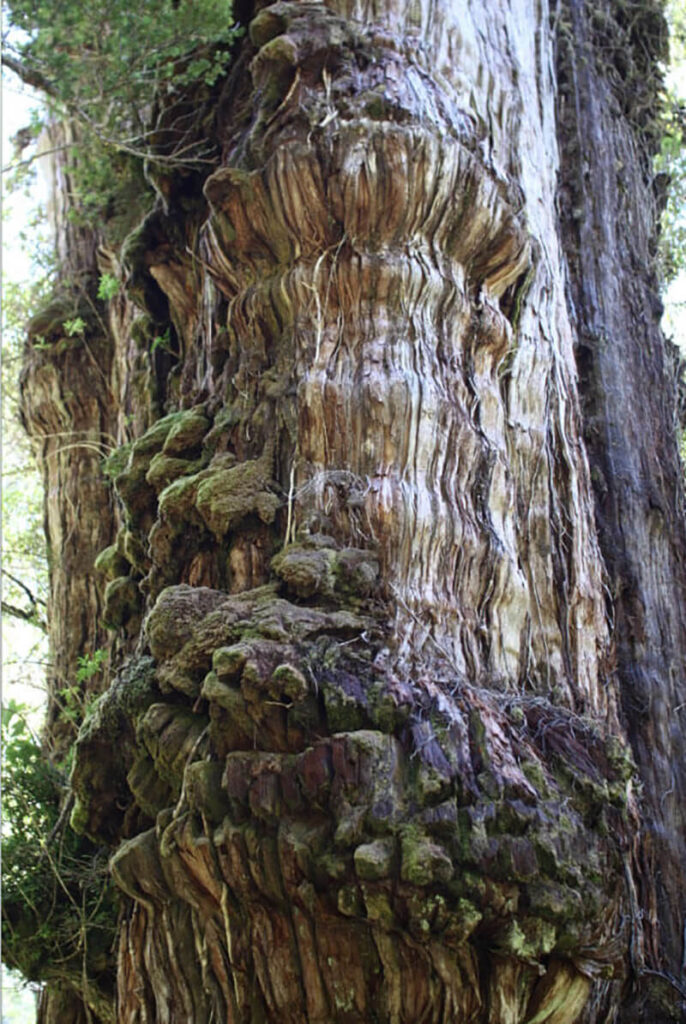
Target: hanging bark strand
370	760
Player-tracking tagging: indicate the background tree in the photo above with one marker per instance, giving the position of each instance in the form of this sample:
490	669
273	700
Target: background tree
395	567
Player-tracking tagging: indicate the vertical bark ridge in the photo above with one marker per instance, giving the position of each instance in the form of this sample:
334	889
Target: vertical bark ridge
609	220
388	216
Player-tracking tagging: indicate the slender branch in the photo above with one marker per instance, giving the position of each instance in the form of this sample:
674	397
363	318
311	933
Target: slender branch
38	81
36	156
29	76
24	615
20	583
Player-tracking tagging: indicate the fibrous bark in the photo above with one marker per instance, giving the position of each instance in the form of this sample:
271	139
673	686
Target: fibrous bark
372	758
68	410
608	93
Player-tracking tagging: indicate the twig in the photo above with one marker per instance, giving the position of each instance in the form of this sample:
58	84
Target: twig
24	615
20	583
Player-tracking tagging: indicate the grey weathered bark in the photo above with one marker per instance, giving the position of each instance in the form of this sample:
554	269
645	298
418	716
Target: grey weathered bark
413	588
609	224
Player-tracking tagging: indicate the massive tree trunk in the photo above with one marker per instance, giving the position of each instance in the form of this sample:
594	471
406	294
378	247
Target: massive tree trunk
401	570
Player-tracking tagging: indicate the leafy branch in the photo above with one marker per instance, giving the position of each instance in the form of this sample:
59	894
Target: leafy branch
118	72
59	907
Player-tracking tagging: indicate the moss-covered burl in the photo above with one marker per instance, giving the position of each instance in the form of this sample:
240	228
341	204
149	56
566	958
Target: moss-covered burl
388	549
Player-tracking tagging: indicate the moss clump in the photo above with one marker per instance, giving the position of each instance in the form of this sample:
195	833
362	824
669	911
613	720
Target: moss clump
554	902
533	771
111	563
135	493
123	602
266	25
422	860
105	750
116	461
426	914
345	701
227	496
306	571
377	905
229	415
228	662
177	500
176	612
151	793
280	50
135	688
387	712
349	901
356	571
187	431
153	439
289	682
374	861
234	727
315	567
135	551
165	469
621	759
526	938
461	922
133	488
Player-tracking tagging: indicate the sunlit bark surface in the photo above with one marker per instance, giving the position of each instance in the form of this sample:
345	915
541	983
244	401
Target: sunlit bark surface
372	757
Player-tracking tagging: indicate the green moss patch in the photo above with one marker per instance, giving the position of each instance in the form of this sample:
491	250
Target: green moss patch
227	496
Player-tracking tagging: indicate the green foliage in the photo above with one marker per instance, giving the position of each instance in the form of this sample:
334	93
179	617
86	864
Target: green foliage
58	905
78	700
670	162
124	90
108	287
104	63
163	341
74	327
90	665
115	462
39	342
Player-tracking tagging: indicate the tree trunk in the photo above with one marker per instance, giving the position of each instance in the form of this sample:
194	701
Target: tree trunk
401	736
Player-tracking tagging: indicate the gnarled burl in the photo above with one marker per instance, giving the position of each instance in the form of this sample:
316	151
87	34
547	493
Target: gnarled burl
371	758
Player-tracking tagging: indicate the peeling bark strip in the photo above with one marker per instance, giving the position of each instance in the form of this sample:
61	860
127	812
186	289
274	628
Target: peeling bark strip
370	760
